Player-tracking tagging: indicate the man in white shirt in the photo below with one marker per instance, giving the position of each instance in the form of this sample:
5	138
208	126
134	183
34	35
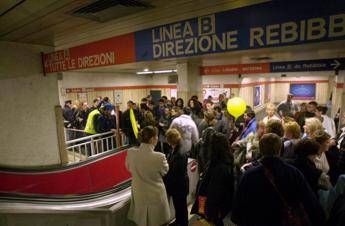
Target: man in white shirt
188	129
327	122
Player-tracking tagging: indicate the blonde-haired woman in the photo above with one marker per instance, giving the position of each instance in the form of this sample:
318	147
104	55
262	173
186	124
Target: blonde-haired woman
314	130
271	111
311	126
149	202
176	181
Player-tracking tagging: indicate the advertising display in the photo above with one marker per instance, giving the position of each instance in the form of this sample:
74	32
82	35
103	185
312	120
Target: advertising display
214	93
303	91
257	100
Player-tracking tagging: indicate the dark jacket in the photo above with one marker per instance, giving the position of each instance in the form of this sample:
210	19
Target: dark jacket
104	124
126	122
309	171
176	180
217	184
68	114
220	191
258	203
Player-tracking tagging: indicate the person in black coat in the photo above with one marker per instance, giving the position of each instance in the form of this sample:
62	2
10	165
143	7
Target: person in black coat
217	183
267	190
176	180
68	113
220	190
306	150
126	123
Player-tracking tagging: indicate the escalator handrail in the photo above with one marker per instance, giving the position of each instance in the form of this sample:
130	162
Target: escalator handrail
63	168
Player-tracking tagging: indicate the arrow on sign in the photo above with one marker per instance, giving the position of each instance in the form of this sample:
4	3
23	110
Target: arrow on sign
336	64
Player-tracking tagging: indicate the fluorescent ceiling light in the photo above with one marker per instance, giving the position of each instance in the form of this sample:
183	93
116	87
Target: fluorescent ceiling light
146	69
163	71
147	72
144	72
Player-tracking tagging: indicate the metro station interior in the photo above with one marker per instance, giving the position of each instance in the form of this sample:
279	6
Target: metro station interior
56	52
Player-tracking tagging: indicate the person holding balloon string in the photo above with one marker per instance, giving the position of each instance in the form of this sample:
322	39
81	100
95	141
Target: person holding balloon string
130	126
237	107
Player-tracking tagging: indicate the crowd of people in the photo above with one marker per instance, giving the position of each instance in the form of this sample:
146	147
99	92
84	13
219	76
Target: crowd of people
285	169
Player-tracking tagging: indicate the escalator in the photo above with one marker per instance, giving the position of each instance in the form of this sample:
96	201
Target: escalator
93	192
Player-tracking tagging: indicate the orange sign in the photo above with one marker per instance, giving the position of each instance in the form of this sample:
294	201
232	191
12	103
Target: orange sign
235	69
111	51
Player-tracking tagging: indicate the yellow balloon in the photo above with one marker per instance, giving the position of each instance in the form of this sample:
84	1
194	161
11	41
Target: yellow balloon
134	123
236	106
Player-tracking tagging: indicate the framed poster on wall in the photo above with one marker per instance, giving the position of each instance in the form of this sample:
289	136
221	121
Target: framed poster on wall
118	94
257	100
214	92
304	91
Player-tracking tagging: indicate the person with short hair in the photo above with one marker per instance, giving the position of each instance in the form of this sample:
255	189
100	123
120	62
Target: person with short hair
127	124
271	110
327	122
176	180
208	121
311	108
188	129
292	134
288	106
95	104
276	127
149	202
105	122
250	124
267	191
68	114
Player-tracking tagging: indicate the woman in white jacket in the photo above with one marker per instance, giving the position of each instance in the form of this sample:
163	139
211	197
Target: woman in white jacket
149	203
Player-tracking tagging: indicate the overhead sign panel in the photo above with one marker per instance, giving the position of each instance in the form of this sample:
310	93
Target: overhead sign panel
116	50
235	69
309	65
272	24
285	66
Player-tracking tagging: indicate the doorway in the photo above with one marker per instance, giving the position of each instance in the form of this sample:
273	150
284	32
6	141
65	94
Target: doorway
156	95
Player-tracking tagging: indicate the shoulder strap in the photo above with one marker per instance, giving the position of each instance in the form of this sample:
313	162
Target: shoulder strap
270	178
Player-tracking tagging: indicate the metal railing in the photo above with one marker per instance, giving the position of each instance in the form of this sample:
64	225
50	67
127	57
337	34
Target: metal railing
85	147
72	134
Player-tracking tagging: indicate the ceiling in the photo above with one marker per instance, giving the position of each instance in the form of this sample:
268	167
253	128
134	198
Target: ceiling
41	22
51	23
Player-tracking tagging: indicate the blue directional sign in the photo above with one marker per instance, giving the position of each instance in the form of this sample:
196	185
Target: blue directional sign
265	25
309	65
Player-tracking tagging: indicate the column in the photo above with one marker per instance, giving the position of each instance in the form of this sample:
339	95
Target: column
189	81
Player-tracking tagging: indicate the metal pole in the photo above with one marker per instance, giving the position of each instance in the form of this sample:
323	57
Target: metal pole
92	147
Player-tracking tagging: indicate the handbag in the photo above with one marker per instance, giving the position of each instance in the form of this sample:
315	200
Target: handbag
291	216
201	222
199	206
